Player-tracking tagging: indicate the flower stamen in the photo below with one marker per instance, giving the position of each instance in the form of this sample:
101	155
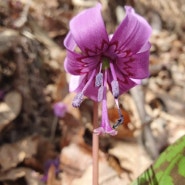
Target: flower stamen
114	83
121	117
77	100
115	88
105	126
99	79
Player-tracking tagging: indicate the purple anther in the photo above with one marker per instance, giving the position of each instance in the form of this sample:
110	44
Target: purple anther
99	79
77	100
115	88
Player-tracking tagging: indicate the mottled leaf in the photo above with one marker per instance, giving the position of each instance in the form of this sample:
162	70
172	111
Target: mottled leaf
169	168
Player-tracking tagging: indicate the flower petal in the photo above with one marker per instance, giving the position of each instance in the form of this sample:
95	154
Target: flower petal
92	91
137	65
69	42
125	83
101	131
132	33
77	83
88	30
76	64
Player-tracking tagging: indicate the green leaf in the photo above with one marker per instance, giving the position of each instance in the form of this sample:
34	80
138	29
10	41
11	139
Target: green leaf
168	169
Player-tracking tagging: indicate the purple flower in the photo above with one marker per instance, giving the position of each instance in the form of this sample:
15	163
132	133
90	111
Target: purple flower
47	165
60	109
97	60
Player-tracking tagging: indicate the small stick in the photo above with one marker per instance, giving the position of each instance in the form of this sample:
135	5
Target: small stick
147	135
53	128
95	145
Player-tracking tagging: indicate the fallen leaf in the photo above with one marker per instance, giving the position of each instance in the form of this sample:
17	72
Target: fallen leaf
107	176
127	153
10	108
13	154
32	177
71	164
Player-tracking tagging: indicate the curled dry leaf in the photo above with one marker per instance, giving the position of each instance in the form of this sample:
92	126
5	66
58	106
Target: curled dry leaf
10	108
71	164
16	173
13	174
8	38
13	154
127	153
107	175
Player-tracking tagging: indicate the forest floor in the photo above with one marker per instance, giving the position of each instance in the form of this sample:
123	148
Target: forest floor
37	147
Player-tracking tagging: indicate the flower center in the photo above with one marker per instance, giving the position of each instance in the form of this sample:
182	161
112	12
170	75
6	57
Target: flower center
105	63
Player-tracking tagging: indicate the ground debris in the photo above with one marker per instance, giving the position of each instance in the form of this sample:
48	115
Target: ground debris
32	80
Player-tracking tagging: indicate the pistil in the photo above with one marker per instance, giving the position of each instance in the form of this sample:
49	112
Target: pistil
105	126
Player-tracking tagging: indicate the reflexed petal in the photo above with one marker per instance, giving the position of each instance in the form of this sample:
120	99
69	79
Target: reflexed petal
125	83
69	42
101	131
137	81
76	64
92	91
88	30
132	33
77	84
137	65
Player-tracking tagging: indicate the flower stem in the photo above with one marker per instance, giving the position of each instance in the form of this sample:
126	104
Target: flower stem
95	145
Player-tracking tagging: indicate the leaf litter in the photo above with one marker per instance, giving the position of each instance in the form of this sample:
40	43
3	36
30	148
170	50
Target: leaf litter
32	80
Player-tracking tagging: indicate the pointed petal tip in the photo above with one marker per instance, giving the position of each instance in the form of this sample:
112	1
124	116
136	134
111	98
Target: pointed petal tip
102	131
112	132
129	9
84	28
99	130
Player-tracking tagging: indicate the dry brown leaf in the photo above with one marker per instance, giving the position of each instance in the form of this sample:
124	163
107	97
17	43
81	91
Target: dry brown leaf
70	162
13	154
10	108
76	164
13	174
107	176
74	159
8	38
128	153
31	177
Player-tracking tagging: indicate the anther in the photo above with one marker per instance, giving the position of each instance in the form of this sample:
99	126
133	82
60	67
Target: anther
119	122
77	100
99	79
115	88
